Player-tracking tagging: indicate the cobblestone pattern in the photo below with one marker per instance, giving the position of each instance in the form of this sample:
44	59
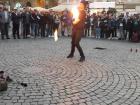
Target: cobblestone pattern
107	77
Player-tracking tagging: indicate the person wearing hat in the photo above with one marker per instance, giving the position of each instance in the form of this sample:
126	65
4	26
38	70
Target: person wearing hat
77	33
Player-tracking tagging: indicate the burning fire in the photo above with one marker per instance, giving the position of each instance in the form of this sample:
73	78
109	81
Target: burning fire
75	13
56	35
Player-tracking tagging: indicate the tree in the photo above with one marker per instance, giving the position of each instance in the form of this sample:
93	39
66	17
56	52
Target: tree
51	3
28	4
41	3
111	11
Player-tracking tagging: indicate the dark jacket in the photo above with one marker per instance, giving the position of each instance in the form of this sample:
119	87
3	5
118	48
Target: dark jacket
2	17
26	18
50	19
136	25
16	18
42	19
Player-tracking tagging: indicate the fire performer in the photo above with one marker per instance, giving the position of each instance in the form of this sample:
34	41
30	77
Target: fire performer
79	16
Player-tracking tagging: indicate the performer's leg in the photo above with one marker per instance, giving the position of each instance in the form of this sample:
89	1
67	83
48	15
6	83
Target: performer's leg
72	51
72	45
77	40
80	50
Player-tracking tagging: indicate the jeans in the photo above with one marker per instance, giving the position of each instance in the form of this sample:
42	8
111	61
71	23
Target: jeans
33	29
36	30
98	33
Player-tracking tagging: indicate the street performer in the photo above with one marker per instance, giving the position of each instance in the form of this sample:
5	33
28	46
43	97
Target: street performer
77	32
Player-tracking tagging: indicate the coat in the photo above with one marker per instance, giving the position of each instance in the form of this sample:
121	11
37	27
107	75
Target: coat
3	19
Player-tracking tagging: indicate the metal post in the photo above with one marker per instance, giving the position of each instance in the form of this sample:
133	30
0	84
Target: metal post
123	7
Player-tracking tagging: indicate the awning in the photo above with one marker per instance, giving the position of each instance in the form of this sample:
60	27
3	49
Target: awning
39	8
62	7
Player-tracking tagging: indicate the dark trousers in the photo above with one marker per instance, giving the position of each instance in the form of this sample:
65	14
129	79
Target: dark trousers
125	34
103	33
50	29
4	30
130	34
36	30
15	30
76	37
56	26
111	32
26	30
43	26
86	33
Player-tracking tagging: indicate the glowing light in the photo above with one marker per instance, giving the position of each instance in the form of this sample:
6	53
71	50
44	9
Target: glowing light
55	36
75	12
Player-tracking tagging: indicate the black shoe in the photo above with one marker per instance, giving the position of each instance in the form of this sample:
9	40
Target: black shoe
70	56
8	79
82	59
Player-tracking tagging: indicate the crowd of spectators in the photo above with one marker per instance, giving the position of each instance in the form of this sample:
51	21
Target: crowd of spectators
33	23
122	27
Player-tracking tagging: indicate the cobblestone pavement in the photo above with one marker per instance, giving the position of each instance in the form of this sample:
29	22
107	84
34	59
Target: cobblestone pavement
107	77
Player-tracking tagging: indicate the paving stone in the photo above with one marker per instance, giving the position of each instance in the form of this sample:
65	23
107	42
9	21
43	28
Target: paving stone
107	77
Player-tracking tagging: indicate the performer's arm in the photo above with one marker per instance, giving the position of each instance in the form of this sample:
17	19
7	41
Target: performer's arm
76	21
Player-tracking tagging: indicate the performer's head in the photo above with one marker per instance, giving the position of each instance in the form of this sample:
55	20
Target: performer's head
81	7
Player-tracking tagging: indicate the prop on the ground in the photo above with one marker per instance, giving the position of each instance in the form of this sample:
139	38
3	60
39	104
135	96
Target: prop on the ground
3	85
100	48
22	84
4	82
135	50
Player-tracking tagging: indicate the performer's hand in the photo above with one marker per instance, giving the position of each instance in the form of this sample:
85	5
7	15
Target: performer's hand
76	21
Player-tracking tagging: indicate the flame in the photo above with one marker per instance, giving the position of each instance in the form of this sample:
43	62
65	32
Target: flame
56	35
75	12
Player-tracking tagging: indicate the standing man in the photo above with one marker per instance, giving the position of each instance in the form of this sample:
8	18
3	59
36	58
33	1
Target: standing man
16	22
77	32
35	17
1	23
26	17
5	20
42	23
50	22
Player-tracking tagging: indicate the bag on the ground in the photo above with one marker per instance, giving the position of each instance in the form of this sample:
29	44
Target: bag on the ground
3	85
135	37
